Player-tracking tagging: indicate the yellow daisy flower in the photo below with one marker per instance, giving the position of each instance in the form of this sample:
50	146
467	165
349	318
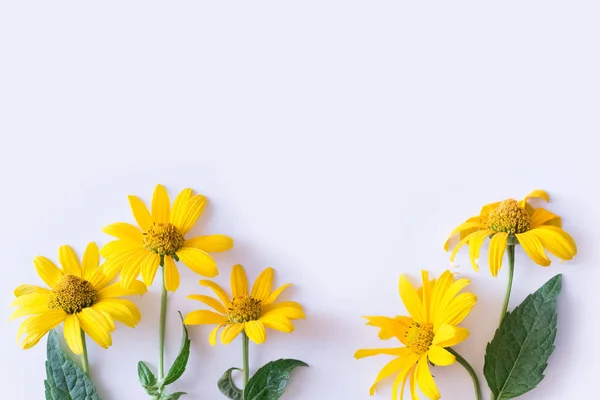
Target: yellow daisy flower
79	295
160	240
435	311
249	313
510	222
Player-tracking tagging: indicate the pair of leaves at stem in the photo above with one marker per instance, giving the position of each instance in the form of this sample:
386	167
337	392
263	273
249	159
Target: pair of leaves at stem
516	358
268	383
64	378
151	384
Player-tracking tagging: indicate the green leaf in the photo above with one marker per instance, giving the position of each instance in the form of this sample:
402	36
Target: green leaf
64	378
270	381
172	396
227	386
180	362
516	358
147	378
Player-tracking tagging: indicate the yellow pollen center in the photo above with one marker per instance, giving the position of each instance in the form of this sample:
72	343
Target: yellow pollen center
163	239
72	294
244	309
419	337
509	217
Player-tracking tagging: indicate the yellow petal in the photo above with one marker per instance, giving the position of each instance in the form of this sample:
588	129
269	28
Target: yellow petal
460	244
124	311
119	247
92	323
413	384
140	213
69	261
230	332
209	301
496	251
463	227
443	332
255	331
212	338
402	377
458	309
541	217
398	351
72	332
131	270
475	242
405	323
102	277
36	298
172	278
239	282
22	290
411	300
161	205
392	367
37	326
487	209
262	286
533	247
34	309
150	265
193	210
425	380
204	317
289	309
90	262
438	291
440	356
277	322
47	270
180	207
198	261
460	334
273	296
450	293
556	241
426	294
391	326
212	243
124	231
218	291
116	290
537	194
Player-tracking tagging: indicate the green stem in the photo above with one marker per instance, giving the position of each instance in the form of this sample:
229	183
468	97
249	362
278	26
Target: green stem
162	326
245	343
84	355
470	370
511	270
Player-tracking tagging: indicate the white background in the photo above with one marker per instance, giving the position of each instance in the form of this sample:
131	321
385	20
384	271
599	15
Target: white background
338	141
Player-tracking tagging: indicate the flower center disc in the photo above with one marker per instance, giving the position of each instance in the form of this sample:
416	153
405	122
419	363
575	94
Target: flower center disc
72	294
163	239
244	309
419	337
509	217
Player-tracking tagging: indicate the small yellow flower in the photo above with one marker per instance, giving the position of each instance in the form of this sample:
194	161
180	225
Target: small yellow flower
435	311
79	295
510	222
251	313
161	240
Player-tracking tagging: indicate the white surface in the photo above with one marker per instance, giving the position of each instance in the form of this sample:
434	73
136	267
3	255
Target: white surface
338	142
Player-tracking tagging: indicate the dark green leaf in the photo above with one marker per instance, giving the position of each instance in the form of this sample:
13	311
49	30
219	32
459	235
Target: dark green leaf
227	386
270	381
180	363
64	379
147	378
516	358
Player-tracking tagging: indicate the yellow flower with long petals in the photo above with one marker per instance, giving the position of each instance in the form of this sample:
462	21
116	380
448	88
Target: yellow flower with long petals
79	295
435	311
510	222
160	240
250	313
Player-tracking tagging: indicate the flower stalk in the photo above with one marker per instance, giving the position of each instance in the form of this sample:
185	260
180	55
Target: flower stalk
84	355
511	271
162	324
470	370
246	367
